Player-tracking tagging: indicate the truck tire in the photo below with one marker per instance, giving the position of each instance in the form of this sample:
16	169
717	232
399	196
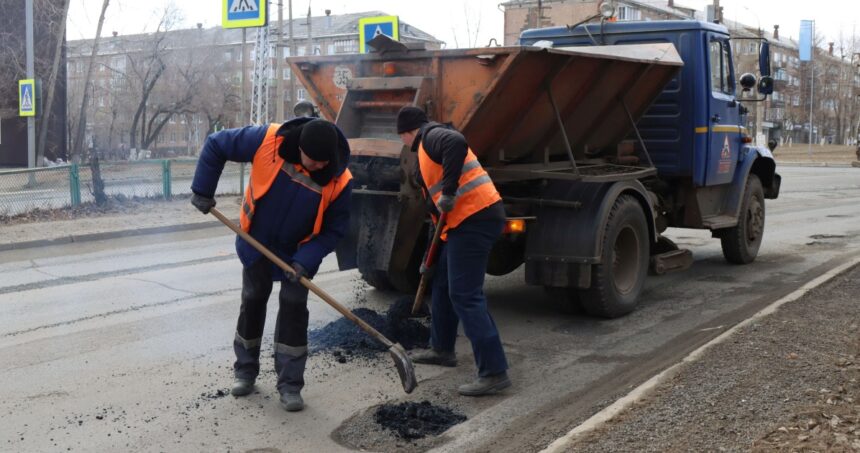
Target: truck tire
617	281
741	243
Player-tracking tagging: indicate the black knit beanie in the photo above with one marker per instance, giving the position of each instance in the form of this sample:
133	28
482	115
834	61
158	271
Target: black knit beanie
318	140
410	118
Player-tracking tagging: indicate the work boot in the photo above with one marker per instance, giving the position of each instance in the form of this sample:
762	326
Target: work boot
292	402
434	357
242	387
486	385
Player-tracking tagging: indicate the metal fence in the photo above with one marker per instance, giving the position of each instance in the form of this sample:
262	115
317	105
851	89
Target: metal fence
22	191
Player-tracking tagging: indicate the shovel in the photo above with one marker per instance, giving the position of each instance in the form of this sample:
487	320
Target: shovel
401	360
429	262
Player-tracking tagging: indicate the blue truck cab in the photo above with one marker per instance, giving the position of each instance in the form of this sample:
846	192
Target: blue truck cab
694	131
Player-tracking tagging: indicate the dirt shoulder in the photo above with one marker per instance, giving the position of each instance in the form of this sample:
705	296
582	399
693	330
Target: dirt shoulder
117	215
789	382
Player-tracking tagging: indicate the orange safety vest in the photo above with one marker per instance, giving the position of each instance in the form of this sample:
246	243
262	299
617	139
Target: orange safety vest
476	190
264	170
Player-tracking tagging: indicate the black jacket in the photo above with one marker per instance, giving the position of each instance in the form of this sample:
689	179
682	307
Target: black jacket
446	147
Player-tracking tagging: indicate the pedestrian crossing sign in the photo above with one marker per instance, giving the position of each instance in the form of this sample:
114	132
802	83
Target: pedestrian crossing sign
243	13
369	27
27	97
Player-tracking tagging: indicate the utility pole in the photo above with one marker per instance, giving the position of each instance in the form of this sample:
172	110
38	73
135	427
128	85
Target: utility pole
52	82
279	55
31	74
811	85
310	33
82	118
292	54
244	112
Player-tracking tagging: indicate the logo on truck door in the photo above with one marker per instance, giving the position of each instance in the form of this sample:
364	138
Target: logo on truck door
725	157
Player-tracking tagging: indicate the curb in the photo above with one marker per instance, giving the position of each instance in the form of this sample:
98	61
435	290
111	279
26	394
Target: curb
564	443
108	235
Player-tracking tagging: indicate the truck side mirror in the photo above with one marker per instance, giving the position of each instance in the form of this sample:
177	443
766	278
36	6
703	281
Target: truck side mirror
765	85
764	59
748	81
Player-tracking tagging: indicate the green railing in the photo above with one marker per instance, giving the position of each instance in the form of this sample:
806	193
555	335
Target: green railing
22	191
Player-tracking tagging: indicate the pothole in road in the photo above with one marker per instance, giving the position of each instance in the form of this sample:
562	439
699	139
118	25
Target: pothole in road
416	420
398	427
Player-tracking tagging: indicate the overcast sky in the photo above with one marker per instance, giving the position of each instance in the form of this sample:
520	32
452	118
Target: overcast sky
458	23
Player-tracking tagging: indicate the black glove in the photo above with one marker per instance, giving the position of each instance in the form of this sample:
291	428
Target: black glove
300	272
446	203
204	204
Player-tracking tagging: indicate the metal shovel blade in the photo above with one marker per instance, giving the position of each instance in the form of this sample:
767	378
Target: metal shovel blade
404	367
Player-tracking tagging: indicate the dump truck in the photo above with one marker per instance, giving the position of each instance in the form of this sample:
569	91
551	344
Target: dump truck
599	137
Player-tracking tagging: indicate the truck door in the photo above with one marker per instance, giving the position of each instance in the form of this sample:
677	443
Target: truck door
724	135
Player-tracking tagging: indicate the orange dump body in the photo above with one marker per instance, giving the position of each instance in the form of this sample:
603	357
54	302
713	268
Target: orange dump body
499	98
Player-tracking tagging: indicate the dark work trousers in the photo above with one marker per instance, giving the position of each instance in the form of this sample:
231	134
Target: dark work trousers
458	294
291	330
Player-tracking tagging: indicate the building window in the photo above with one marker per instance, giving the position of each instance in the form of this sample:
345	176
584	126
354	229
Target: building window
285	52
286	74
629	13
228	55
330	50
301	94
118	63
346	46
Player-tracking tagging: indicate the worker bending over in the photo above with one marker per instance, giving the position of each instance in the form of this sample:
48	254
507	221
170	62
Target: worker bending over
452	177
297	205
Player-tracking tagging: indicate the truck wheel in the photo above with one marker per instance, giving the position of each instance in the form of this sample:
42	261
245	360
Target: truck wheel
617	281
377	279
741	243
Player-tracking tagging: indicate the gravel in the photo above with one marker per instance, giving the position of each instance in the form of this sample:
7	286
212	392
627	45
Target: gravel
796	389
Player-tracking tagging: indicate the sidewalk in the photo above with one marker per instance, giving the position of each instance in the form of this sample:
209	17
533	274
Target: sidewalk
129	218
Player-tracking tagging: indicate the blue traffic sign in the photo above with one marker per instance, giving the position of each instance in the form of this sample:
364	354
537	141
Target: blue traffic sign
27	97
243	13
369	27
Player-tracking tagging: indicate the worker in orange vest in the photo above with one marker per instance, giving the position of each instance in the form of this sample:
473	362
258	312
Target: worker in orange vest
452	177
297	205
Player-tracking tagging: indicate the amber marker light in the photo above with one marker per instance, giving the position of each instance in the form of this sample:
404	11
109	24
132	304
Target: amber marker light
389	69
515	226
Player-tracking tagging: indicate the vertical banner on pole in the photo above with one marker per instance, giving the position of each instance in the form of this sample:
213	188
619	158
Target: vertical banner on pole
806	38
805	44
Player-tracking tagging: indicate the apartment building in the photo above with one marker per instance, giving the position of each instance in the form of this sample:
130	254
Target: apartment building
166	91
784	116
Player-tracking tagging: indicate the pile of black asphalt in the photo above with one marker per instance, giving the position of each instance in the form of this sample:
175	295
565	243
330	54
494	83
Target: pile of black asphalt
416	420
345	340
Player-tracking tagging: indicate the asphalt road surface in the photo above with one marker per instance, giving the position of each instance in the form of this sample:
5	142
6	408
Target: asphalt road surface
126	344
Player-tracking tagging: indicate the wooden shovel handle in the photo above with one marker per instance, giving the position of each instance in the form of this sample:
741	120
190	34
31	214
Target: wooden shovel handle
429	261
304	281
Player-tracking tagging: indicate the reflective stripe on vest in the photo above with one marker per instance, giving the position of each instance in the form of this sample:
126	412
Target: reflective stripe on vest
264	169
476	190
